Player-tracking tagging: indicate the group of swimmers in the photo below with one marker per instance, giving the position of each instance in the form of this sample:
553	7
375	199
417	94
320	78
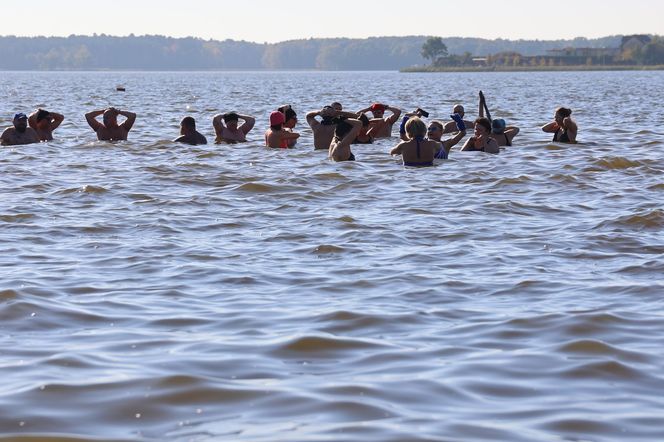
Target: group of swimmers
335	132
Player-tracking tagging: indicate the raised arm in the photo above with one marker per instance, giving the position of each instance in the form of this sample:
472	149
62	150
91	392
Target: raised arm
396	112
511	132
218	125
248	124
551	127
451	142
57	119
311	119
130	119
91	118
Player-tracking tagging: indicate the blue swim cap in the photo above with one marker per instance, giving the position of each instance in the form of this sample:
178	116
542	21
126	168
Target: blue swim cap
498	126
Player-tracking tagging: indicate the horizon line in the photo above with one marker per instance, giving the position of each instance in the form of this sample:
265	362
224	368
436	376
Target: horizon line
132	35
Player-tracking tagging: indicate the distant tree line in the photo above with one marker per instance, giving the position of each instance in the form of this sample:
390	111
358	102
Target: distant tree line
104	52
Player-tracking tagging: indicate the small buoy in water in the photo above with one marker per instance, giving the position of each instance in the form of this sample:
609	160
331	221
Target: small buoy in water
120	89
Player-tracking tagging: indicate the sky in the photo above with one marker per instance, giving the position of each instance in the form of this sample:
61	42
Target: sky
274	21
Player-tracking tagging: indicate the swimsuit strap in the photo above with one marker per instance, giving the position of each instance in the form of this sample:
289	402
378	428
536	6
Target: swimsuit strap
418	140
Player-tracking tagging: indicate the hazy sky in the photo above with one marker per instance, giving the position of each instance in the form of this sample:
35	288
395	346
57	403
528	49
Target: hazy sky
272	21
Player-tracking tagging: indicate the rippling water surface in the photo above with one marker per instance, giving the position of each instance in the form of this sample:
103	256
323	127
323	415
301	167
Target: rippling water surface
154	291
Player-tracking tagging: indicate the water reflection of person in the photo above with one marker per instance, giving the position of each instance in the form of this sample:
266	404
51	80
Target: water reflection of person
563	128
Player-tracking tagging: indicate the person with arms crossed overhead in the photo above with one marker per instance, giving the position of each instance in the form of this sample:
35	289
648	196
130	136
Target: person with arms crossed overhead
110	130
44	123
345	132
381	126
227	130
20	133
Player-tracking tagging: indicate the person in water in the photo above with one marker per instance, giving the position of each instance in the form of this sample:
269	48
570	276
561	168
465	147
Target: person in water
481	141
345	132
381	126
19	133
416	113
435	133
110	130
417	151
188	132
451	126
323	130
365	135
500	132
276	136
44	123
227	130
290	120
563	128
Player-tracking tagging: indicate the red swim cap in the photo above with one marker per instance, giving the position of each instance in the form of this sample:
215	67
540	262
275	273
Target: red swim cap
378	107
277	118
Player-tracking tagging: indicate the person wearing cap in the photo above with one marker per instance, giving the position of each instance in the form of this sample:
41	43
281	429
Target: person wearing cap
501	133
188	132
44	123
345	132
451	126
110	130
20	133
227	130
276	136
381	126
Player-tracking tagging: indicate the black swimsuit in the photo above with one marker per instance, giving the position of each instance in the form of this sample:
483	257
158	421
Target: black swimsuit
564	138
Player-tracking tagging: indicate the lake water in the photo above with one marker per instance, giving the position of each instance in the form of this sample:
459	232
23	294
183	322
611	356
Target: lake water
154	291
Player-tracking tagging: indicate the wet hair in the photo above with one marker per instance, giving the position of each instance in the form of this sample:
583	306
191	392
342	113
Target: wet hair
188	122
42	115
230	116
336	104
289	113
342	129
364	119
564	112
415	127
484	122
277	126
438	124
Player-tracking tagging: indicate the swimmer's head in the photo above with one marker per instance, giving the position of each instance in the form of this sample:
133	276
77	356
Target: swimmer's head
415	128
277	120
562	113
458	109
21	122
110	117
231	119
482	126
377	110
342	129
498	126
337	106
290	118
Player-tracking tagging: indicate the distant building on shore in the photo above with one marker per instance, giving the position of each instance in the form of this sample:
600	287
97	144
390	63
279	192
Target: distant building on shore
623	55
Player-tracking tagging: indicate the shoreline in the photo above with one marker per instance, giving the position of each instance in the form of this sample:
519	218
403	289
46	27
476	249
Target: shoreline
431	69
